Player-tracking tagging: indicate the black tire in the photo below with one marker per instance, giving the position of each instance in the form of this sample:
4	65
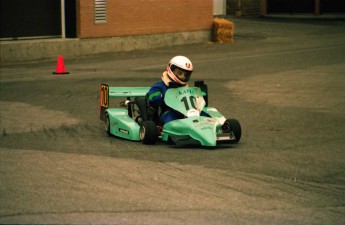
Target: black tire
148	132
107	124
234	126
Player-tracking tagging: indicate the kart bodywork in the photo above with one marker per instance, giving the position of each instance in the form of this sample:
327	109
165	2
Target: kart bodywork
135	120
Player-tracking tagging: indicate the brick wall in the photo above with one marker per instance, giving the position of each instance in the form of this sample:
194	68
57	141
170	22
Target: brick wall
137	17
246	7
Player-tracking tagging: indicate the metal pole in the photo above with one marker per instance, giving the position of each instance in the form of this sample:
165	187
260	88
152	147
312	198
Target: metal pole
264	7
239	8
63	32
317	7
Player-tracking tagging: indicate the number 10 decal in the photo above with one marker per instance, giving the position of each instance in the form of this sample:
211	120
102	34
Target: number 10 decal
104	96
191	102
104	100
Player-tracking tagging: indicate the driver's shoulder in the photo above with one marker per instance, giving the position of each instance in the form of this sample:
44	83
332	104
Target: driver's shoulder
160	85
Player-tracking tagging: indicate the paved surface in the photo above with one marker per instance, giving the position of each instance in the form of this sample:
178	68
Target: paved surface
284	81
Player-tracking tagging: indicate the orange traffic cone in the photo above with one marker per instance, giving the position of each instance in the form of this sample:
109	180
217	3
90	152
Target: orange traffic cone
60	66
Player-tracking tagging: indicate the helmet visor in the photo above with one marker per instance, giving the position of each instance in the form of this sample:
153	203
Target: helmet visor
182	75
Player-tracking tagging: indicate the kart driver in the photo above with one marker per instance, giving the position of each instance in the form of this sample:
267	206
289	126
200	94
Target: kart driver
177	74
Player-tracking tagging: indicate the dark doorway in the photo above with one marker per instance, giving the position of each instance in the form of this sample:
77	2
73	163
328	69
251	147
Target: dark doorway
70	18
332	6
290	6
30	19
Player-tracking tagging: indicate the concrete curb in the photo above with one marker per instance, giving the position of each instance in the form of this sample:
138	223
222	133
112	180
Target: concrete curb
20	51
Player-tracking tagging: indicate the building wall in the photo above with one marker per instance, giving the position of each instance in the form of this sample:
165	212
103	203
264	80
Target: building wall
244	7
138	17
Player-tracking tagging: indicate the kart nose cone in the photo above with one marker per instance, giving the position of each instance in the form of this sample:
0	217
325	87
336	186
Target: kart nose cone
197	129
206	135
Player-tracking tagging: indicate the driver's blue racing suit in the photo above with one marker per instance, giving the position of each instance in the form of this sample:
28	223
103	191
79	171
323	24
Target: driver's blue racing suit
155	97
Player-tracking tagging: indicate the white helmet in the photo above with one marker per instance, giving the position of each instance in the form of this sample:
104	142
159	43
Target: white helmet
180	69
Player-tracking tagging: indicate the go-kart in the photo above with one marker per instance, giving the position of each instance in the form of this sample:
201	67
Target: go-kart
136	120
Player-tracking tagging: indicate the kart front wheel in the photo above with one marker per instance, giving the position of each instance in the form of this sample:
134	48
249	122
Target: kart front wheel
148	133
233	125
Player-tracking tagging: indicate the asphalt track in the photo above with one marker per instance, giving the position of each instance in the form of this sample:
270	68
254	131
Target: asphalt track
282	79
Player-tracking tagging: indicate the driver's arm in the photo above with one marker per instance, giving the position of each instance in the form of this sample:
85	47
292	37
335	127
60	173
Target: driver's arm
155	96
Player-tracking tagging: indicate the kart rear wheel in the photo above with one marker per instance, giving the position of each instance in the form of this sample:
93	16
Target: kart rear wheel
233	125
107	124
148	132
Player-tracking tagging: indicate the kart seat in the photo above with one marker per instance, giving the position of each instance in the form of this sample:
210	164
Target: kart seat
146	112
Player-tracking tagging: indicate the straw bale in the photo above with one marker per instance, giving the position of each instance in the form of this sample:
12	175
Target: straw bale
223	30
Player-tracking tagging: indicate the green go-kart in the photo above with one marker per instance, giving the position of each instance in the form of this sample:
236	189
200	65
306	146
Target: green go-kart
135	120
